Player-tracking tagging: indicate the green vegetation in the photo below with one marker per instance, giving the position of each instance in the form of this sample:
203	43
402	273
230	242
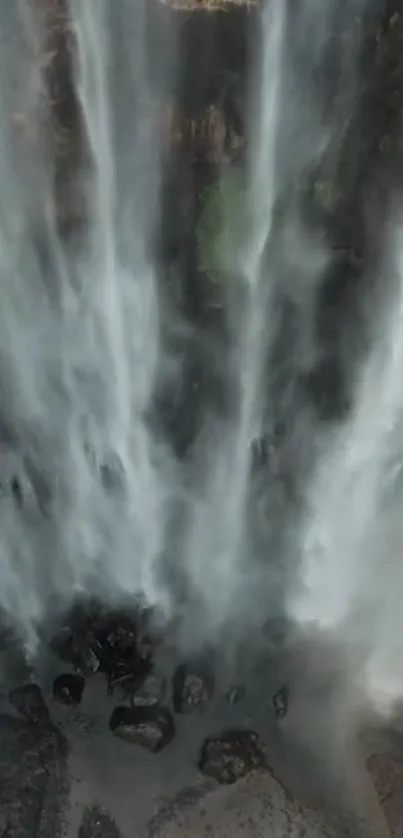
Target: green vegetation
222	226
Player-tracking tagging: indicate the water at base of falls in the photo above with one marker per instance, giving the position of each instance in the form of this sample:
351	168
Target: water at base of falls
94	500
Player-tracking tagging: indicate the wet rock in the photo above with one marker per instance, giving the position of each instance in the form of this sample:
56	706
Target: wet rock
98	823
232	757
120	658
280	703
192	688
33	778
78	647
150	727
29	701
95	641
68	688
256	806
151	692
235	695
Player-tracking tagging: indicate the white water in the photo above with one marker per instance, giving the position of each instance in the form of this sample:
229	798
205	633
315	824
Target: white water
79	357
352	572
217	548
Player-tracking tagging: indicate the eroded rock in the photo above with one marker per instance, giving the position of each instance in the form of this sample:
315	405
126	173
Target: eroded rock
150	727
232	756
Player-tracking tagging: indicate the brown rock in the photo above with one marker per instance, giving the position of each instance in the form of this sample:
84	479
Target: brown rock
250	808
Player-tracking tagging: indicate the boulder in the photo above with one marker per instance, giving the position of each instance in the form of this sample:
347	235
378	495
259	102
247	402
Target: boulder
150	727
232	756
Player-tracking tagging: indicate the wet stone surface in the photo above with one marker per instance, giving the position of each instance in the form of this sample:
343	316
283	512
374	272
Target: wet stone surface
78	647
152	728
34	781
192	688
68	688
232	756
151	692
29	701
98	823
95	641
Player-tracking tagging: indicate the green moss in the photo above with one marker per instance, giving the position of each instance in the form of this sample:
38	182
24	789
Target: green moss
222	226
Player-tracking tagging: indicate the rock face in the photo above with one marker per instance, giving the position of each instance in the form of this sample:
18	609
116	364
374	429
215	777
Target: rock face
98	823
254	807
33	770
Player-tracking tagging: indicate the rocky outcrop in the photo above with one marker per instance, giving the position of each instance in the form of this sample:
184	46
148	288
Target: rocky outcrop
98	823
33	769
257	805
207	5
388	776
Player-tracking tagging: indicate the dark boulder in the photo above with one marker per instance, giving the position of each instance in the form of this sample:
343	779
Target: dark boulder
232	757
152	728
68	688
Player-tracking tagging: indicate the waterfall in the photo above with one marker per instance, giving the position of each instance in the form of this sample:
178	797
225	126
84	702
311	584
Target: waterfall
80	337
93	498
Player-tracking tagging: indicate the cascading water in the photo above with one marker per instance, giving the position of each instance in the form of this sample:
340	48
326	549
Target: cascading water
88	486
217	547
351	573
80	333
